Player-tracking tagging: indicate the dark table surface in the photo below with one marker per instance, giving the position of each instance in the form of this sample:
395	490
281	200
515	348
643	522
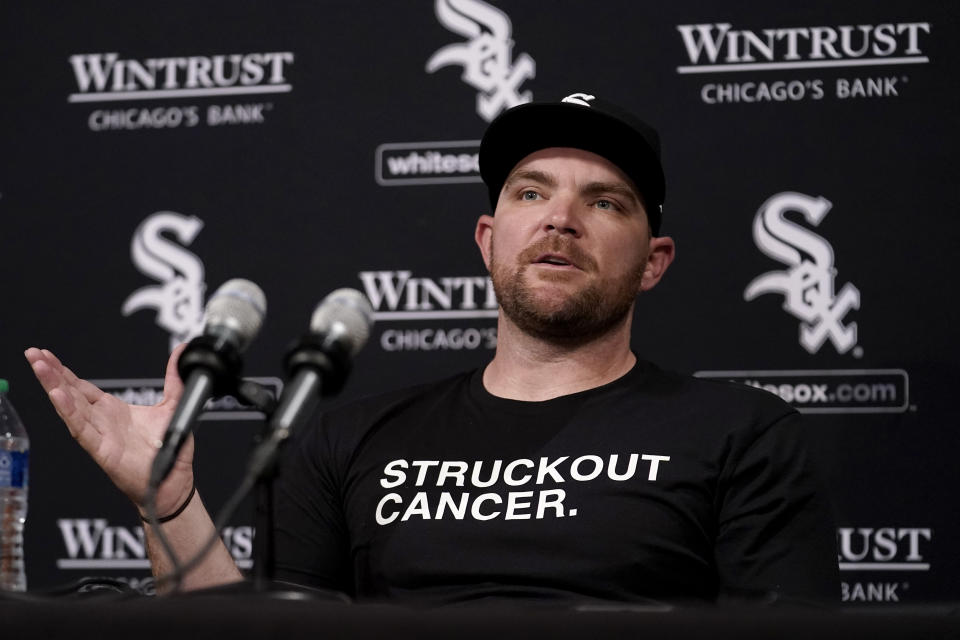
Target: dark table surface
239	616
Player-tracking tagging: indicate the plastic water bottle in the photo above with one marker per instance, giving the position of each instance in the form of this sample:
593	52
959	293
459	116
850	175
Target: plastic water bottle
14	478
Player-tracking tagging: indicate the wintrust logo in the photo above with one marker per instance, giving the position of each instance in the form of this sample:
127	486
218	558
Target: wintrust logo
105	77
879	551
486	56
398	296
95	544
808	284
109	78
179	297
718	48
883	548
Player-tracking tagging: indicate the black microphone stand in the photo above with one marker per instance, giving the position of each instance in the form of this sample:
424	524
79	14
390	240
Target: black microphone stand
261	473
258	396
327	365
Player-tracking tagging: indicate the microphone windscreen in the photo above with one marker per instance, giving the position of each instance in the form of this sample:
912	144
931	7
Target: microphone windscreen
237	307
344	316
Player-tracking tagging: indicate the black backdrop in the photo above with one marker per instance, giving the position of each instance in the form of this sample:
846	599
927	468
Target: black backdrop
306	146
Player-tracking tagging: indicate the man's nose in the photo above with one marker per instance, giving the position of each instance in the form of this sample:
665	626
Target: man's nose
563	217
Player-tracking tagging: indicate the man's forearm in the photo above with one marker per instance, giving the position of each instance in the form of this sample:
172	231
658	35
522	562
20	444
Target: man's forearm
187	533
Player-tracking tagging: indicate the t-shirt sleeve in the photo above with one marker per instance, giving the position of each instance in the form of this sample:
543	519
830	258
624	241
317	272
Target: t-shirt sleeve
311	545
776	534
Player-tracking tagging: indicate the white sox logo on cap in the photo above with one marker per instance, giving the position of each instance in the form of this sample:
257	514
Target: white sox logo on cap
579	98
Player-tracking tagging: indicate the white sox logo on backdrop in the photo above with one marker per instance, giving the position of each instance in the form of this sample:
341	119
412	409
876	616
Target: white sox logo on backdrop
178	298
808	285
158	251
486	56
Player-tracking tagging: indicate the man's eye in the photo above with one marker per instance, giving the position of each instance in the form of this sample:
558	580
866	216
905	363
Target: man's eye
606	204
529	195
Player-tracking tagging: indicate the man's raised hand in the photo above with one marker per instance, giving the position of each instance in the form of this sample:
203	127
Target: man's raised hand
122	438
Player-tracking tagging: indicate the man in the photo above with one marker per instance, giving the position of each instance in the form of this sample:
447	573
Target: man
566	468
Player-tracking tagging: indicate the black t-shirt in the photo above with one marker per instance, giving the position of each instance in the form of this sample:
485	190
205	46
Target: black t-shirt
654	486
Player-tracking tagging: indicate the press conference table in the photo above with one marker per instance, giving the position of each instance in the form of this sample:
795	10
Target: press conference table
252	616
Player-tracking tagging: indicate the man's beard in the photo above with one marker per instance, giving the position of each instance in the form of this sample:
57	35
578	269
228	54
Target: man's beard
582	316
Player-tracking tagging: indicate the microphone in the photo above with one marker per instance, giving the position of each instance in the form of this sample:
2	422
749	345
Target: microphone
319	363
211	363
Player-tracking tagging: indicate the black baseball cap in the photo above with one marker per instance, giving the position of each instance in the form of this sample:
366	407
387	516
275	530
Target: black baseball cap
581	121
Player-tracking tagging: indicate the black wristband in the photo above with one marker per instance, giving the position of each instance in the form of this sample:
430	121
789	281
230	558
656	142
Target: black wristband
179	510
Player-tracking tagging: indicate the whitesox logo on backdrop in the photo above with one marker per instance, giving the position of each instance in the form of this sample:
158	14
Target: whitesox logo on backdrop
179	298
808	285
486	57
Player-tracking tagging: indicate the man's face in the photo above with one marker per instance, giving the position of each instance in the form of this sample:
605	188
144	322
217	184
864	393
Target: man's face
568	246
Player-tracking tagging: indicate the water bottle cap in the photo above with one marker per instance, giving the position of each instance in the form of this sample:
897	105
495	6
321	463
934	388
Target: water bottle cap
4	386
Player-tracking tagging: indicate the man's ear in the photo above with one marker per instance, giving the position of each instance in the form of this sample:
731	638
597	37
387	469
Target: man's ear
662	252
483	235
